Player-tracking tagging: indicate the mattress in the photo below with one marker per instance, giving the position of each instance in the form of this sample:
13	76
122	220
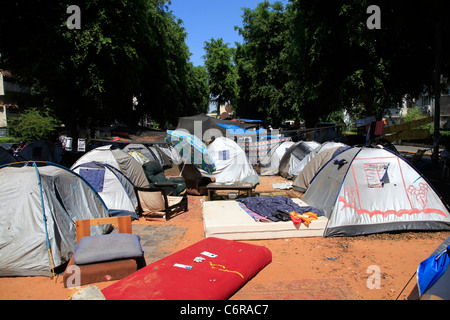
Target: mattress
211	269
227	220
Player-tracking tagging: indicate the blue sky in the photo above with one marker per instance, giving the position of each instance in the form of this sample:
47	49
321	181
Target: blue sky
206	19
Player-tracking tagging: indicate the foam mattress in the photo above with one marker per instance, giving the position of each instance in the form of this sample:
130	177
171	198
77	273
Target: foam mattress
211	269
227	220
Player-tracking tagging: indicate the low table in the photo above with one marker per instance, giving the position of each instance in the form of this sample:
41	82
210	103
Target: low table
216	186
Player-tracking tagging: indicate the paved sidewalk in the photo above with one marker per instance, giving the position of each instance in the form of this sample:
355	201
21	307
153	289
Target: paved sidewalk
157	241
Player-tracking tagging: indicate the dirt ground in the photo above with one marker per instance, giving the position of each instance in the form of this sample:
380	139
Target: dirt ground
313	268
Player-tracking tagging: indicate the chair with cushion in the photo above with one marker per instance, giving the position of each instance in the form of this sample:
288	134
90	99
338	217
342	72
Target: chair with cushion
104	257
156	178
157	203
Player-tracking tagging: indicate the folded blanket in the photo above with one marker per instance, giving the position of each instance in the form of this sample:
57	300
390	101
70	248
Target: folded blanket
270	207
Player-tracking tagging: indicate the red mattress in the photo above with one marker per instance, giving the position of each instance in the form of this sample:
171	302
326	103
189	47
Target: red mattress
223	267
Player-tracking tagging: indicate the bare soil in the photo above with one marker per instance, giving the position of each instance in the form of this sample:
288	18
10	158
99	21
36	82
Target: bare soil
315	268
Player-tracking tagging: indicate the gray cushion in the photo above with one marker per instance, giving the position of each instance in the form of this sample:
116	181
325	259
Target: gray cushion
107	247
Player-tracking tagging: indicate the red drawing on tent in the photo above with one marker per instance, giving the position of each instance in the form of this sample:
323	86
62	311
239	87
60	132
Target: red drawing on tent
420	194
375	173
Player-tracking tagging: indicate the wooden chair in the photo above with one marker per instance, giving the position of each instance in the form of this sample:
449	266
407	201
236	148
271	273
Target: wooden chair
83	227
158	203
109	253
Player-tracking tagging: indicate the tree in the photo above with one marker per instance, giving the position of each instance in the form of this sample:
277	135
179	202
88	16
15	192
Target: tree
197	95
34	124
221	72
265	87
339	63
89	76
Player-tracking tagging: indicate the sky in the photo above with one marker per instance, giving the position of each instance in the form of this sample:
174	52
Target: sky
206	19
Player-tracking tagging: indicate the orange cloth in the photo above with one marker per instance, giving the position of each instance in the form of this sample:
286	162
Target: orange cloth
298	218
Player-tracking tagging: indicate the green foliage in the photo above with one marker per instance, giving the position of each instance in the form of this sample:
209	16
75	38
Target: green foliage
303	60
34	124
222	74
265	87
340	63
89	76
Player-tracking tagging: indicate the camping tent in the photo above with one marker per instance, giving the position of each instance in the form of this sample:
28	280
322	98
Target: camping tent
152	153
301	182
39	204
372	190
231	162
119	160
294	160
116	190
271	162
324	146
41	150
433	275
6	157
199	124
205	127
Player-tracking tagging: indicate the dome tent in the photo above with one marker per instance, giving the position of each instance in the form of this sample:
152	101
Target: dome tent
372	190
119	160
294	159
149	153
6	157
301	182
271	162
39	203
116	190
231	162
41	150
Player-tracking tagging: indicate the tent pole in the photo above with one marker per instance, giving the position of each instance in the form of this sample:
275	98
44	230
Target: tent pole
45	220
182	168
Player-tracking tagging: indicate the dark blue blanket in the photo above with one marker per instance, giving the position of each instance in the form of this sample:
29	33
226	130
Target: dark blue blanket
276	208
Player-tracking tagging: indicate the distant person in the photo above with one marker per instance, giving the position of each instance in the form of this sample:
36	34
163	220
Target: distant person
445	156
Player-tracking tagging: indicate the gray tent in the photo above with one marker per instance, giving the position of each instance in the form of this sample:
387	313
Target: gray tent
301	182
41	150
152	153
119	160
6	157
372	190
294	159
38	209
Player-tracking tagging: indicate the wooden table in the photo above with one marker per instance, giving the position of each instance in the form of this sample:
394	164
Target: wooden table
216	186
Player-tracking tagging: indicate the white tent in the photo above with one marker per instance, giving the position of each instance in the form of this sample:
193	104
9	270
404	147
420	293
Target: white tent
372	190
231	162
116	190
119	160
324	146
38	209
271	162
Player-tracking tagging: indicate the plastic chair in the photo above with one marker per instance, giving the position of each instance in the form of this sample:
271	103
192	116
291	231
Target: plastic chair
156	178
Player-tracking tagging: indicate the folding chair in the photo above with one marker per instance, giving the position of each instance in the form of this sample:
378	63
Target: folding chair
156	178
104	257
158	203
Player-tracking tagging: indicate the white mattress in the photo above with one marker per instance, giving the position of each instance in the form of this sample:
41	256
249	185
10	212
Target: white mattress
227	220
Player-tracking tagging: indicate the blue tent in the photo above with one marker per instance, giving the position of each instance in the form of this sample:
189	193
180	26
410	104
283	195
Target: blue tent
433	274
233	129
